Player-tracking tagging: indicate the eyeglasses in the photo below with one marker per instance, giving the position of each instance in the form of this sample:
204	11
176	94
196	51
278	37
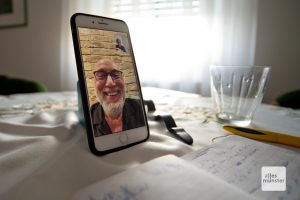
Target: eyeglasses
102	75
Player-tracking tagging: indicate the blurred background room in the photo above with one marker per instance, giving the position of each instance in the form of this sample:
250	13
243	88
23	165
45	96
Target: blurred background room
174	41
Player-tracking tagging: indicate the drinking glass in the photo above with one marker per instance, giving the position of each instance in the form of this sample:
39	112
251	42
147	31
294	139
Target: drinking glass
237	91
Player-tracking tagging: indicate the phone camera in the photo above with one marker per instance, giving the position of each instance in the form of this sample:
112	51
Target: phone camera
93	22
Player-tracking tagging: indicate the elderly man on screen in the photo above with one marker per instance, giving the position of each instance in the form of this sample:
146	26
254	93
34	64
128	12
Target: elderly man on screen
113	112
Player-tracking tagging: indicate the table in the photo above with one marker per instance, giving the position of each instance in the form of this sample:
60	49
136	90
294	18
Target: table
44	152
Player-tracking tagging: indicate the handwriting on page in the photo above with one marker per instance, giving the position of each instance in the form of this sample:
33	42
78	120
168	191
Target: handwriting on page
238	161
167	177
123	192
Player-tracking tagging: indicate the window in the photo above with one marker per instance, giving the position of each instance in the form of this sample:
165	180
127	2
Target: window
156	8
175	41
171	41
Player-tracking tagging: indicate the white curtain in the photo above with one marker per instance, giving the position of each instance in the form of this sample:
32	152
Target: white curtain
174	42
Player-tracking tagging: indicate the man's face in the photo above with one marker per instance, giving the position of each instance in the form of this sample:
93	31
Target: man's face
110	87
119	42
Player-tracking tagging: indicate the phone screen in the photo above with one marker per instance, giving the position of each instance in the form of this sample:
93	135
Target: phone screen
117	116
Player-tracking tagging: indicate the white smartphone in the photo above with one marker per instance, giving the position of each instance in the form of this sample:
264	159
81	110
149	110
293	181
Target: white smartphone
111	95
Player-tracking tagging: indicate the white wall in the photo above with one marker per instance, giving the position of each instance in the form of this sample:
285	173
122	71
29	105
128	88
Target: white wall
278	44
32	52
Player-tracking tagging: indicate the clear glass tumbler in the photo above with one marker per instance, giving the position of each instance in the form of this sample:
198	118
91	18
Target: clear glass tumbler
237	91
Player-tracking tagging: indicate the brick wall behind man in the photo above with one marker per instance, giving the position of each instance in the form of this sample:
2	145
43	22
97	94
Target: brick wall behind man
96	45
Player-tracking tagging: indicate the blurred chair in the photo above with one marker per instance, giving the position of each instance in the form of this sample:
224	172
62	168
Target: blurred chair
289	99
15	85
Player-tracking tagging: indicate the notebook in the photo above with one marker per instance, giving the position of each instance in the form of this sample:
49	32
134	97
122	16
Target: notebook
230	169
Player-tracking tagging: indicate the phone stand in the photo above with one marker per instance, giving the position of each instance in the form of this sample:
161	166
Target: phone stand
178	132
169	121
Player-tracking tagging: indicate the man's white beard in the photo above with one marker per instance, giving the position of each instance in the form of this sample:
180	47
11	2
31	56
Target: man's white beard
111	109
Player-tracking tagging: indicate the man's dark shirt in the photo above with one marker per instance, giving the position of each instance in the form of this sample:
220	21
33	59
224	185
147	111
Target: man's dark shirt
132	117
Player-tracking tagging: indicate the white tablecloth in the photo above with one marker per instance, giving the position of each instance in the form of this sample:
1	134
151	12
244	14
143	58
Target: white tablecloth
44	152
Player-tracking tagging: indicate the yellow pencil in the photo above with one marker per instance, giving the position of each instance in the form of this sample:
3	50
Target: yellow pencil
264	135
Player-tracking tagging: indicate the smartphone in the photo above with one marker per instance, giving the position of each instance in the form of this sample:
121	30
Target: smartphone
110	90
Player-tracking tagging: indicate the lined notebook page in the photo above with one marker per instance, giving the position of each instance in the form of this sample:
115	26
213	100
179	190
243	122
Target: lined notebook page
167	177
238	161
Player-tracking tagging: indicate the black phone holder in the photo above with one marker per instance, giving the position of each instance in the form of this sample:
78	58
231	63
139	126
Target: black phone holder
169	121
150	105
